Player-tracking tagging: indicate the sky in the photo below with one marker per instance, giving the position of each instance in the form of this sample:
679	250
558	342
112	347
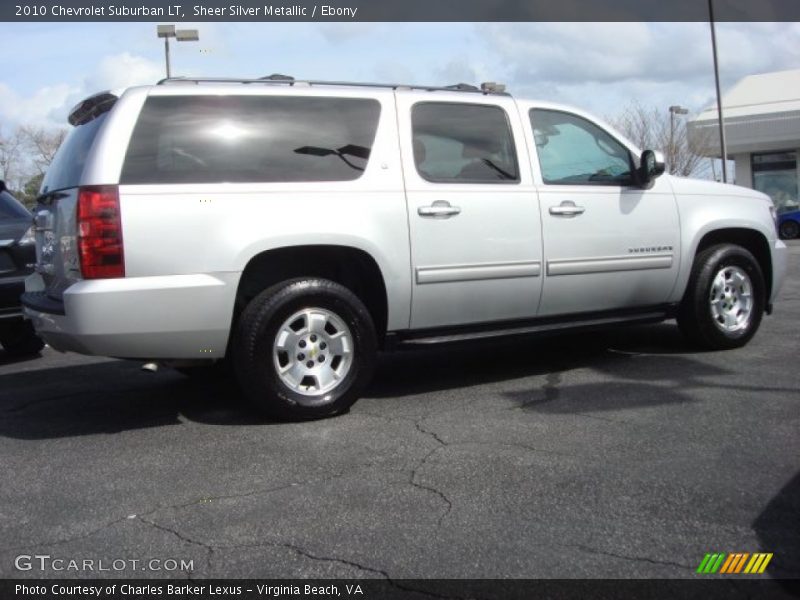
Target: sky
46	68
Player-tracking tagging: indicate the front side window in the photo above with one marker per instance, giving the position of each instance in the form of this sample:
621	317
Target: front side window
574	151
250	139
463	143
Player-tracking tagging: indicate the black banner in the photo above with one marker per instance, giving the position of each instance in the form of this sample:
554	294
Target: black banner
732	588
399	10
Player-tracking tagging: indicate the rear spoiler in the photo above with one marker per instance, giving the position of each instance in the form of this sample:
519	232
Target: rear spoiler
92	107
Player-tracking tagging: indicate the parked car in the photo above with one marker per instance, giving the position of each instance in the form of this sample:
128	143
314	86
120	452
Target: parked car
294	228
17	256
789	224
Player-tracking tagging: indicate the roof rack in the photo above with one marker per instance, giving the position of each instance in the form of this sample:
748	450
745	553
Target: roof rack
485	89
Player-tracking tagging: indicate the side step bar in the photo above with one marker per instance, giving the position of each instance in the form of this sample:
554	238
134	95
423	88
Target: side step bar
543	326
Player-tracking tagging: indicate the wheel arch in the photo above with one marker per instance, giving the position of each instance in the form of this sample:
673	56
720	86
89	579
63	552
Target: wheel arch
751	240
351	267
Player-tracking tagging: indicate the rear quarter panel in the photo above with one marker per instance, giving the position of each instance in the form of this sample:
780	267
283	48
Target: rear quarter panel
217	228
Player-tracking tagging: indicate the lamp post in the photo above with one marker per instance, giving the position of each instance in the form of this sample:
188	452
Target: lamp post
674	110
722	147
181	35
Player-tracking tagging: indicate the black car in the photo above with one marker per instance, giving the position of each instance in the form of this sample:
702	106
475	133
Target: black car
17	256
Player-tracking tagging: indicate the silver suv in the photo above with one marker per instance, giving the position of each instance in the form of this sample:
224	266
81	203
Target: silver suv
294	229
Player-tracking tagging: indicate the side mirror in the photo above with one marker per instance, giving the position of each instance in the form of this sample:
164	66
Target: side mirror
650	167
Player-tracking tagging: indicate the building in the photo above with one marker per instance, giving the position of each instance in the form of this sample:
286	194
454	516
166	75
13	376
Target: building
762	134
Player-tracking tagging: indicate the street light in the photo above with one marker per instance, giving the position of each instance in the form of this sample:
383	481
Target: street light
722	146
674	110
181	35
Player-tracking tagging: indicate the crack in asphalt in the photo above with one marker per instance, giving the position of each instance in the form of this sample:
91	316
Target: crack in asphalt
207	547
22	407
412	480
590	550
67	540
258	492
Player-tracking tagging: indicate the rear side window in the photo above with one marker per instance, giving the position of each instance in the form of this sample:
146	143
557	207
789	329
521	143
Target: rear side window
239	139
463	143
67	167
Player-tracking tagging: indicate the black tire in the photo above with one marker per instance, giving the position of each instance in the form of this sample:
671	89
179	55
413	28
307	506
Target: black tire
21	340
254	355
695	317
789	229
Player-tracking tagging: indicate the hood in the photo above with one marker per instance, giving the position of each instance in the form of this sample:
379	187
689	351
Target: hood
686	186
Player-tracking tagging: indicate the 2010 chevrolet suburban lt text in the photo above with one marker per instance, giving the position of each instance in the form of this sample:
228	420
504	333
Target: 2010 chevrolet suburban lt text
294	228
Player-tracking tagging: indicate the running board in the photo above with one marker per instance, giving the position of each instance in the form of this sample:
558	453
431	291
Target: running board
427	338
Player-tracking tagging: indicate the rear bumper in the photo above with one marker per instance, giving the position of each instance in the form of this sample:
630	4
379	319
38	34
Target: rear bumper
170	317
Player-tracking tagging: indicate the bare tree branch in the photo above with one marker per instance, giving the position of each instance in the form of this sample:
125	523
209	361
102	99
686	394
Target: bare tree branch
42	144
651	128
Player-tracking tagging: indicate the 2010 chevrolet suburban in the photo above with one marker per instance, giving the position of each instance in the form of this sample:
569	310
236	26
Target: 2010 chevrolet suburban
295	228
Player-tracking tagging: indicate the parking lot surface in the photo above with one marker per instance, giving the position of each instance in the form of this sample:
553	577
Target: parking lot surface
623	454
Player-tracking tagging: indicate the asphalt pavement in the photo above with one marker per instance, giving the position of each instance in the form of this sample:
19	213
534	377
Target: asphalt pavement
625	454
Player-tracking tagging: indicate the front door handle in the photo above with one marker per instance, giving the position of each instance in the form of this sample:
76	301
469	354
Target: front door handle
567	209
439	209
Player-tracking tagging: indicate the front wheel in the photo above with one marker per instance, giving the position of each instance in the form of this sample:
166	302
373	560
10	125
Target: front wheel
304	349
724	301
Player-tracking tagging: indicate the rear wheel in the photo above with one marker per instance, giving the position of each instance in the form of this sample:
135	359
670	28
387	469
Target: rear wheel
304	349
724	302
789	230
21	340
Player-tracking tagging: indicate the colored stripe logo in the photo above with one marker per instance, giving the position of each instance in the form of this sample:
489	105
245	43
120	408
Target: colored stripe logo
736	562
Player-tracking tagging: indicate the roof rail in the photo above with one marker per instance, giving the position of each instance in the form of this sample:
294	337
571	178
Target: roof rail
286	80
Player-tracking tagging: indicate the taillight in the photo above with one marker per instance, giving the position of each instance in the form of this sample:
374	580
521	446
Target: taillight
100	232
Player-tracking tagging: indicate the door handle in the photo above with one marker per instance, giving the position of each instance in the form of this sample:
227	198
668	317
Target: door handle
439	209
567	209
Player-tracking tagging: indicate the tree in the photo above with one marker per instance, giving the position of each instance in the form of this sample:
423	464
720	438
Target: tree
657	129
42	144
27	195
12	151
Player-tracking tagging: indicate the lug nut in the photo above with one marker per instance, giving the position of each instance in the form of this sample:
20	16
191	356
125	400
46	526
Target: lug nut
301	356
310	364
321	359
302	344
323	345
313	338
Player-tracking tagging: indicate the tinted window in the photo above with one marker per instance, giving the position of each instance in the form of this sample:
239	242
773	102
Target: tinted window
11	208
463	143
573	150
67	166
210	139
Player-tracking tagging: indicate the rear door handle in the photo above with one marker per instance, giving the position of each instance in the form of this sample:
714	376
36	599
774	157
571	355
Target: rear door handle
567	209
439	209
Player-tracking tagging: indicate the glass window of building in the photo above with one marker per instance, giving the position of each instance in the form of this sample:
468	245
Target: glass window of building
775	174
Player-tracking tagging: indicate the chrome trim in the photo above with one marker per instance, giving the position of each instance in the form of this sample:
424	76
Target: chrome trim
608	264
4	243
478	272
